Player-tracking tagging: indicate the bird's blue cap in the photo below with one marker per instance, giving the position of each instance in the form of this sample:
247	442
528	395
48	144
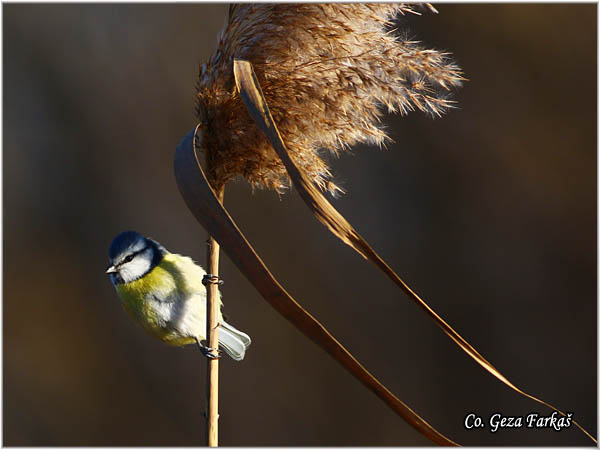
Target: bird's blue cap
126	242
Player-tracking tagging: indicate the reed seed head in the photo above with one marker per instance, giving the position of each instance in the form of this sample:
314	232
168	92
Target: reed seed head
328	73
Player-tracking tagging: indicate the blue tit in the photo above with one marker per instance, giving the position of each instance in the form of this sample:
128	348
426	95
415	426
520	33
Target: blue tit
164	293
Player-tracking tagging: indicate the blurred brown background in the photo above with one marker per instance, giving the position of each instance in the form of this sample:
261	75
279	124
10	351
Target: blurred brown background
489	213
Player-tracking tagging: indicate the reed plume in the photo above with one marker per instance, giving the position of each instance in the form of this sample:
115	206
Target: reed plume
328	72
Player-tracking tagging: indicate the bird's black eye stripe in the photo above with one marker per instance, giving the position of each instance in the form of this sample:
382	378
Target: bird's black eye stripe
129	258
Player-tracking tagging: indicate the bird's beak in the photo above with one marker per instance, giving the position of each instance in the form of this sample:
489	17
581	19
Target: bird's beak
111	269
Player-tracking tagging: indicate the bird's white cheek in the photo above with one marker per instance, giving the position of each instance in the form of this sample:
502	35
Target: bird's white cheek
134	269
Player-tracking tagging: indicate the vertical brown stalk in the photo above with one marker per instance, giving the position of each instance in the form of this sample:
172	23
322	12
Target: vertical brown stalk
212	323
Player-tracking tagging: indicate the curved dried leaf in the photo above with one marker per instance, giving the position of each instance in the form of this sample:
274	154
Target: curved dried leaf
203	203
258	109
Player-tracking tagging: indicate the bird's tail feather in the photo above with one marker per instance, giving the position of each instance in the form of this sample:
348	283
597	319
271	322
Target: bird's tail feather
233	341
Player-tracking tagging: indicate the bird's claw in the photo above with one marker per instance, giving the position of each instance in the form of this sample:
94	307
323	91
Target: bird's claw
208	352
211	355
209	278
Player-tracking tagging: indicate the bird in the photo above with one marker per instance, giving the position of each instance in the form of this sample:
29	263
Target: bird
165	293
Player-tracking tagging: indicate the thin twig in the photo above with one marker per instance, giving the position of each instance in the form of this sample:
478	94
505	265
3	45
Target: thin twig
212	323
212	330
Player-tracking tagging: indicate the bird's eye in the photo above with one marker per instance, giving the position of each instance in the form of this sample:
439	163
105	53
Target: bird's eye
129	258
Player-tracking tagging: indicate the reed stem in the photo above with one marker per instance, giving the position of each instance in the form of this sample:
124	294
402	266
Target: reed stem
212	323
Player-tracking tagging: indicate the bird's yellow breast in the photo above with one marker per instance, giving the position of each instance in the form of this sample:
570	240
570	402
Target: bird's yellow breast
173	280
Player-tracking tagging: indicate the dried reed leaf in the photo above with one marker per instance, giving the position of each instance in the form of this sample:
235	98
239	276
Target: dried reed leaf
252	95
203	203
